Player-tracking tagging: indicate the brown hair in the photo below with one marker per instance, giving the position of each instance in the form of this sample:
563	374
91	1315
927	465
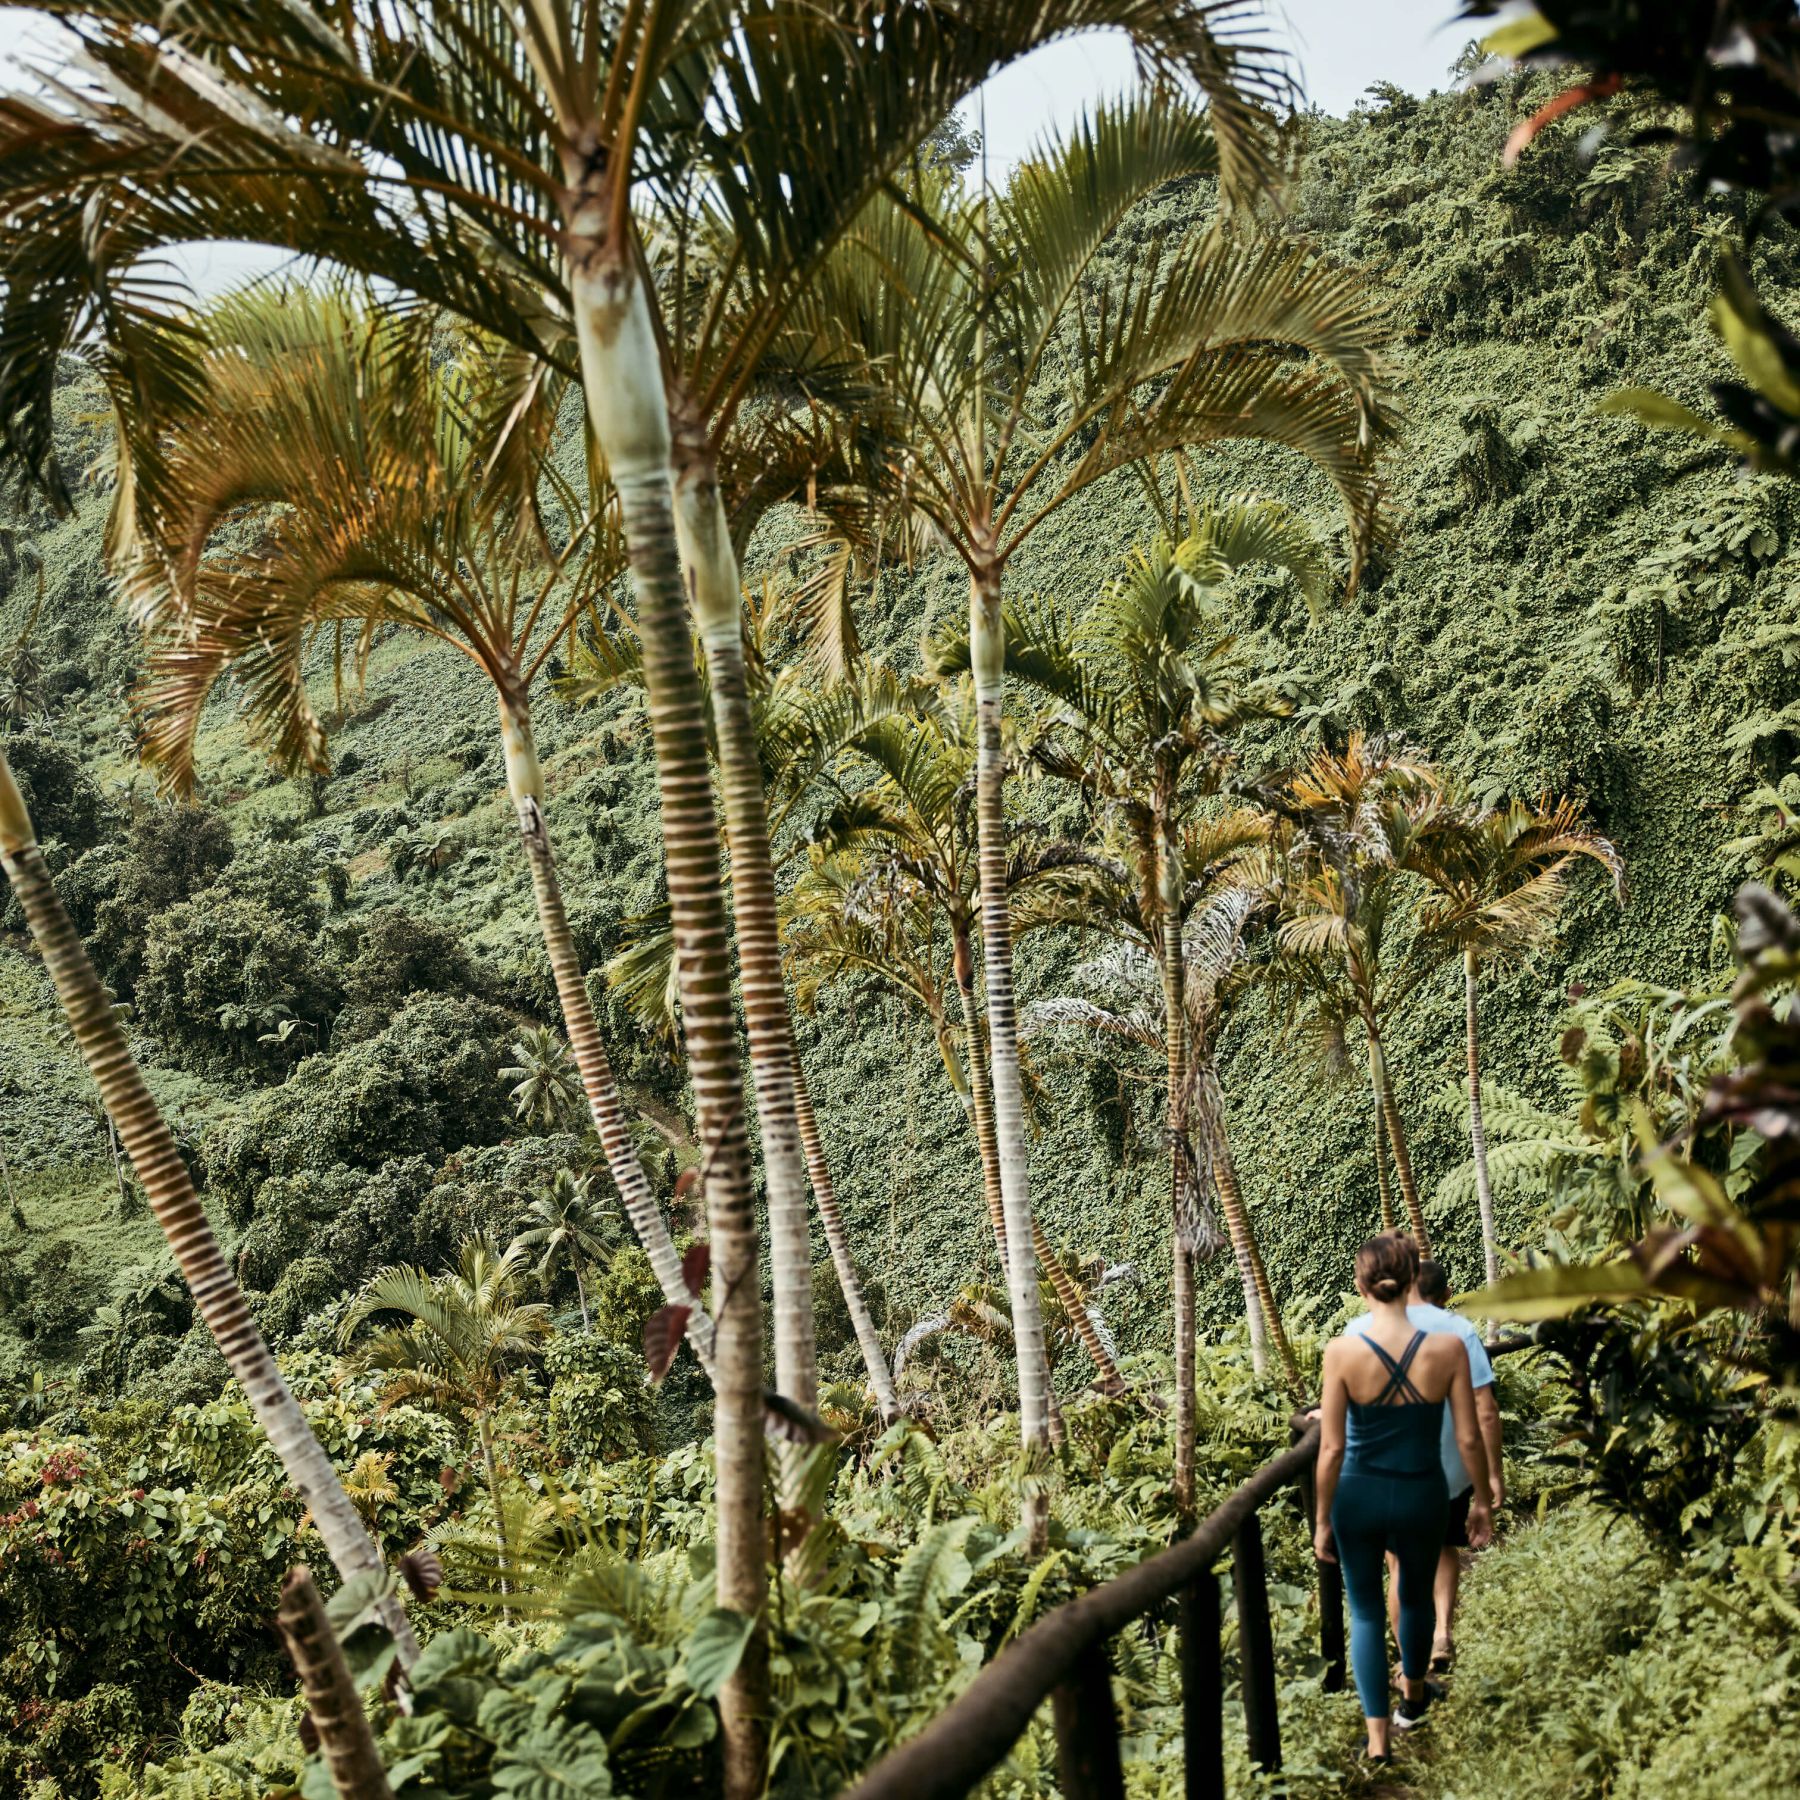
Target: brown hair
1434	1284
1387	1266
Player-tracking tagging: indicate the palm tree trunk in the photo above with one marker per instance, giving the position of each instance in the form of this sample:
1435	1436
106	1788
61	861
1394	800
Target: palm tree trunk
1385	1192
1384	1098
627	407
988	659
1067	1294
868	1340
1243	1232
1484	1192
1181	1261
587	1324
151	1146
715	595
525	784
332	1701
20	1222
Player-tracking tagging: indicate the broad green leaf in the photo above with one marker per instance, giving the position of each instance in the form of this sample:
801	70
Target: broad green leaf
556	1760
1554	1293
1661	413
715	1649
1740	321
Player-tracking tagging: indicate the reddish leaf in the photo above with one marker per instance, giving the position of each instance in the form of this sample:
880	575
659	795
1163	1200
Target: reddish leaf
686	1182
663	1332
695	1267
423	1571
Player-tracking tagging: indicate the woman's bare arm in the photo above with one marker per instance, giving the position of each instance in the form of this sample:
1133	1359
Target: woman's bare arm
1468	1441
1332	1408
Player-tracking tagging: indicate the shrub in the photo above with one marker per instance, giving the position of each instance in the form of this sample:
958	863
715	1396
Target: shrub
601	1406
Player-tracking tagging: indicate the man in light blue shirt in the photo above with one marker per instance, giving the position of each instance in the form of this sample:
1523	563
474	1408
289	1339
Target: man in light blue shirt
1424	1307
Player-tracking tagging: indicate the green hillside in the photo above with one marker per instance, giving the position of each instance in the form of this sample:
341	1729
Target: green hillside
1565	604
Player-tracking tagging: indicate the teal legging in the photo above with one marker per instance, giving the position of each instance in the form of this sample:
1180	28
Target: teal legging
1406	1514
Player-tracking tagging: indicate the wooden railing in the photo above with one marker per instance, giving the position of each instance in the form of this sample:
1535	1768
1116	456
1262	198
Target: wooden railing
1063	1659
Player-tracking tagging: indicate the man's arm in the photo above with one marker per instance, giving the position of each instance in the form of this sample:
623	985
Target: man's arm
1487	1420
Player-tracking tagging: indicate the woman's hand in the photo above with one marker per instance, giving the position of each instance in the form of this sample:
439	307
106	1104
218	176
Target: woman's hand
1481	1525
1324	1547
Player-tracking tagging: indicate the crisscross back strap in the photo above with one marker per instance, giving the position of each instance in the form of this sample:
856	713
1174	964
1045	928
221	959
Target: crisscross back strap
1400	1390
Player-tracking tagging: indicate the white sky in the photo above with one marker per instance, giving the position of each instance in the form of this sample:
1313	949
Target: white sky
1341	48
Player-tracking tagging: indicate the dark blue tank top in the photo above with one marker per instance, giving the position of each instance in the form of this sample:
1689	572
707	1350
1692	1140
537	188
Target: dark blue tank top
1398	1432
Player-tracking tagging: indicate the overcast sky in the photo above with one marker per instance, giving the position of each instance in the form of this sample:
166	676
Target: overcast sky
1341	48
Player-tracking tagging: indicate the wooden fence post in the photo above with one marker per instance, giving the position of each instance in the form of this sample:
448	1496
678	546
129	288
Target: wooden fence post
1087	1730
1202	1688
1331	1581
1256	1645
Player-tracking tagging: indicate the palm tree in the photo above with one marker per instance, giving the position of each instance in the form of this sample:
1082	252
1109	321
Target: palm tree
546	1083
358	454
1350	830
962	321
150	1144
439	166
563	1225
1500	881
464	1335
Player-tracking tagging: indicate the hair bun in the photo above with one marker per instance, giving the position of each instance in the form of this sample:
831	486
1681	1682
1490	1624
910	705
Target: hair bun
1387	1288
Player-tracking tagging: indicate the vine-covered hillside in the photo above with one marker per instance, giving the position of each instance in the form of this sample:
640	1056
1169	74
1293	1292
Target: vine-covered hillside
326	977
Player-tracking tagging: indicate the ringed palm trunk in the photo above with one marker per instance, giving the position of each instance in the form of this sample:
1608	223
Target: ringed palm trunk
628	410
151	1147
1248	1253
1067	1293
713	592
1484	1192
1181	1261
1385	1192
525	784
988	659
868	1340
333	1702
490	1469
1396	1133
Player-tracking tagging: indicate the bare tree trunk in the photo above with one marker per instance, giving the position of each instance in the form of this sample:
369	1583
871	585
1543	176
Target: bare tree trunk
628	410
715	597
1484	1191
988	659
332	1702
151	1146
1237	1222
868	1340
496	1500
20	1222
1067	1293
1403	1170
1385	1192
1174	994
525	783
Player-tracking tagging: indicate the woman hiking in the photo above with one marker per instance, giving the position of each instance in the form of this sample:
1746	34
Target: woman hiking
1381	1478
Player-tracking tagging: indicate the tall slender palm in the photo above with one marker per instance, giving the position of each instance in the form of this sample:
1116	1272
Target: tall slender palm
487	159
1351	830
356	455
565	1228
151	1146
1014	346
1146	690
463	1336
1500	881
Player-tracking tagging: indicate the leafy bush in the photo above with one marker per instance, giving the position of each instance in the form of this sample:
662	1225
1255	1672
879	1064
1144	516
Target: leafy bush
601	1406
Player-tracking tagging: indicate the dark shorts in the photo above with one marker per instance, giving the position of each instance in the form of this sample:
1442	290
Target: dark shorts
1456	1533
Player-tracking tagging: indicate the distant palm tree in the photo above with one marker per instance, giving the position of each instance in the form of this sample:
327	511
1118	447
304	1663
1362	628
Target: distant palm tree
563	1226
94	1020
464	1335
1351	831
546	1082
1500	882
